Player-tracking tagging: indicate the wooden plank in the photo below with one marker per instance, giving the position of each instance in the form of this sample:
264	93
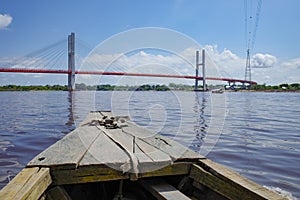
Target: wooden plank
105	151
30	183
143	156
230	188
13	187
70	149
36	186
141	159
57	192
172	148
236	179
175	150
181	168
162	190
154	153
154	158
86	174
138	131
119	137
96	173
126	143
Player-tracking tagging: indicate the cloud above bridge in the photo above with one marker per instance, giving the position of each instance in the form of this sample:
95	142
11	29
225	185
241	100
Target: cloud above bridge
263	60
5	20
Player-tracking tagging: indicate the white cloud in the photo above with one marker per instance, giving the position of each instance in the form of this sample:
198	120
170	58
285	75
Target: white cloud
292	63
263	60
266	68
228	63
5	20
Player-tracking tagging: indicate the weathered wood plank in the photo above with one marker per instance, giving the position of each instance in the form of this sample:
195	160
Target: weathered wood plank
175	150
30	183
96	173
36	186
161	190
56	193
119	137
143	157
86	174
165	144
154	158
234	178
152	152
13	187
105	151
68	151
180	168
231	185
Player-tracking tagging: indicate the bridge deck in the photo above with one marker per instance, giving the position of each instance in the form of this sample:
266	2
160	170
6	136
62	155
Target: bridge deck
48	71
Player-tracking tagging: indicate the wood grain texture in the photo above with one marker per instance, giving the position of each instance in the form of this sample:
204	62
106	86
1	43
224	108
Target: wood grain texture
162	190
175	150
30	183
68	151
229	183
86	174
104	151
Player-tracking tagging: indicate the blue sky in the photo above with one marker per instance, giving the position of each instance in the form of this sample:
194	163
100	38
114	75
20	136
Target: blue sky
217	25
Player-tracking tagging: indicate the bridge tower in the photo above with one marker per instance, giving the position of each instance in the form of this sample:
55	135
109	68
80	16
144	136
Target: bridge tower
248	68
203	70
71	62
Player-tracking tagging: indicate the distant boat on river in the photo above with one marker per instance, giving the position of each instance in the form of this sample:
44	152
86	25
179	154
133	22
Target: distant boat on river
218	91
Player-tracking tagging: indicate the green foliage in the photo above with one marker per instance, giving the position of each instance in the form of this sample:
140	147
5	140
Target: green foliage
281	87
32	87
146	87
174	86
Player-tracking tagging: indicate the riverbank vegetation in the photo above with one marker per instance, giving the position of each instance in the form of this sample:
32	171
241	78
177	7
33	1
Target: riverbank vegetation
33	87
295	87
108	87
277	88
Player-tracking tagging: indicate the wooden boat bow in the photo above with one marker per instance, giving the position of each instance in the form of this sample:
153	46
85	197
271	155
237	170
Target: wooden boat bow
104	149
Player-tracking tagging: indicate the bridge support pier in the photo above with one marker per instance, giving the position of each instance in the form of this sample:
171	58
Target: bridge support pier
71	62
203	71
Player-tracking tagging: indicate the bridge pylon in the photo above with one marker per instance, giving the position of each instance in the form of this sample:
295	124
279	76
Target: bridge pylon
203	71
71	62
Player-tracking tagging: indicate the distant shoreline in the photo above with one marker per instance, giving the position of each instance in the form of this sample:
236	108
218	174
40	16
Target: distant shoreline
273	91
295	87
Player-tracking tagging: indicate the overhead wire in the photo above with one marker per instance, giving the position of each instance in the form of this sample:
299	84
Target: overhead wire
256	22
250	29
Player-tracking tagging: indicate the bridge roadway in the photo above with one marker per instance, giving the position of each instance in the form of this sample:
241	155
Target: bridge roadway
48	71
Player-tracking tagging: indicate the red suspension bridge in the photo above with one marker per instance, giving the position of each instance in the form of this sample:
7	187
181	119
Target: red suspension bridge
47	71
72	72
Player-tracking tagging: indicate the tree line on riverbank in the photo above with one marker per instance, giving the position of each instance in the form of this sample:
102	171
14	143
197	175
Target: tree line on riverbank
277	88
146	87
82	87
33	87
